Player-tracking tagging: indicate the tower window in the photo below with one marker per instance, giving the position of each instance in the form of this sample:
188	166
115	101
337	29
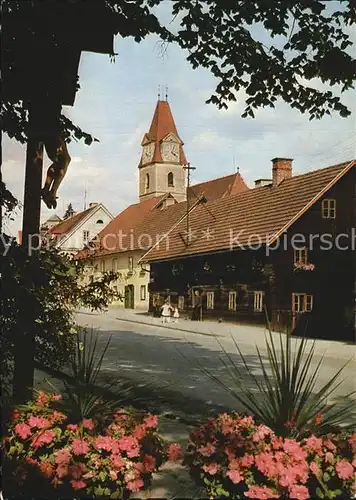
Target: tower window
170	180
100	221
147	185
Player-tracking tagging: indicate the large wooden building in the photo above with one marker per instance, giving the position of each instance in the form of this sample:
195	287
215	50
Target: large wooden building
284	250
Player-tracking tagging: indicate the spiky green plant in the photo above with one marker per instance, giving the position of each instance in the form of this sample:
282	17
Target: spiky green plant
285	398
81	397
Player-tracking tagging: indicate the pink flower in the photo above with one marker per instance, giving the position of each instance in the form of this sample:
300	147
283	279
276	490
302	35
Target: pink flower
329	457
265	464
352	442
77	470
88	423
72	427
46	469
261	432
117	461
344	469
80	447
329	445
43	437
149	463
56	397
175	452
207	450
314	467
211	468
247	461
62	457
38	422
42	399
130	445
15	415
135	485
293	448
151	421
57	416
139	432
299	492
23	430
78	485
113	475
314	444
62	471
107	443
260	492
235	476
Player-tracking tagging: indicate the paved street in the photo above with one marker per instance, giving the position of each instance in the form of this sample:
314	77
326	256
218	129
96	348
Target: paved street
165	356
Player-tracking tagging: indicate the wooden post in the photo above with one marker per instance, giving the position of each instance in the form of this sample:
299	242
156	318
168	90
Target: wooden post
24	354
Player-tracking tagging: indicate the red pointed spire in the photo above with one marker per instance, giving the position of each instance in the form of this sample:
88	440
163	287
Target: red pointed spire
161	126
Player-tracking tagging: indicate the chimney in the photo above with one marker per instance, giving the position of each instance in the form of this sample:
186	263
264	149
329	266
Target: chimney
281	170
93	204
262	182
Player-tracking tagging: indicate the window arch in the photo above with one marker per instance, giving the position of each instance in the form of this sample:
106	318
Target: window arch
100	221
147	184
170	179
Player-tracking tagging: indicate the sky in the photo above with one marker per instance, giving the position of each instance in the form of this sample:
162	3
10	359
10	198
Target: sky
116	102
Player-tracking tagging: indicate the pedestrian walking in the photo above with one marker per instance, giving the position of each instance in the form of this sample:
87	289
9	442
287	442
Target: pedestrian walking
175	315
166	310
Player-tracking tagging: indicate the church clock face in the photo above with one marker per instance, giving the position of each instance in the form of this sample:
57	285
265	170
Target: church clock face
147	153
170	151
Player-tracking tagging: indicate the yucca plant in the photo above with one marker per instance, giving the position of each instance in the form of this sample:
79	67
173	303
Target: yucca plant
81	397
285	398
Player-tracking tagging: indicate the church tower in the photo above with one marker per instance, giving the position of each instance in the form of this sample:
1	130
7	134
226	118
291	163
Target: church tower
161	166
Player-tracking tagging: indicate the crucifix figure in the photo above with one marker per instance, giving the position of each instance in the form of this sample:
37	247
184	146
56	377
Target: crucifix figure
57	152
48	129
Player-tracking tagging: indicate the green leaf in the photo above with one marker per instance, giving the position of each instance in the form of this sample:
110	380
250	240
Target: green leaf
320	493
103	475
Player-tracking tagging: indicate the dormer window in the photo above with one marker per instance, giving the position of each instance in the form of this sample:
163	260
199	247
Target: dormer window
328	208
170	179
147	185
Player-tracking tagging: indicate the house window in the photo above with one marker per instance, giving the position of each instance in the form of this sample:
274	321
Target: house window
103	266
100	221
130	264
170	180
328	208
301	256
210	300
143	292
258	300
232	301
147	185
114	265
85	236
302	302
181	302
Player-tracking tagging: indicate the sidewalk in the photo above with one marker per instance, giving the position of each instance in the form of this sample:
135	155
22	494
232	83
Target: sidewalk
243	334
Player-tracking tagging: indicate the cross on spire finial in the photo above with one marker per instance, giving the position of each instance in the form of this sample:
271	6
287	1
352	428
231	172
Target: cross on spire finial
159	92
166	96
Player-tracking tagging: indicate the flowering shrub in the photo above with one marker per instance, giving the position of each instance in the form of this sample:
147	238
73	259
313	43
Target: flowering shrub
82	458
301	266
233	457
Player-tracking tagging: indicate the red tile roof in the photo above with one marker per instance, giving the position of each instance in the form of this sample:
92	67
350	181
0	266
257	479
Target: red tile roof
124	224
255	215
143	223
218	188
69	224
161	126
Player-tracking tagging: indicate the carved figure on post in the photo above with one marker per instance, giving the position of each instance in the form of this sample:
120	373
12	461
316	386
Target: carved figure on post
57	152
